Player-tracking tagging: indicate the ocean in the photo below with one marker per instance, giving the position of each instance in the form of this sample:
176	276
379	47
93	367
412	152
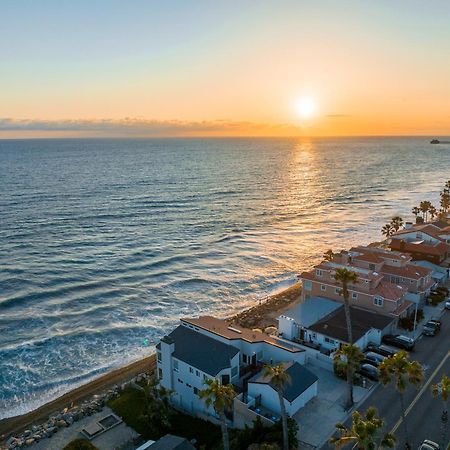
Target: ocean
106	243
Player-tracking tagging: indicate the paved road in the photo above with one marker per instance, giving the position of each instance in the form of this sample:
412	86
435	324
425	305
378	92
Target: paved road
424	411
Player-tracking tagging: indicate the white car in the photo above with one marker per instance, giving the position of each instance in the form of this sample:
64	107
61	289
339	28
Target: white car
428	445
447	304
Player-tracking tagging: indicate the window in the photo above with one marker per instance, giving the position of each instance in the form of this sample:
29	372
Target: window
354	295
180	381
159	356
197	373
188	385
204	377
338	291
378	301
195	391
191	370
175	365
323	287
160	373
330	341
244	358
319	272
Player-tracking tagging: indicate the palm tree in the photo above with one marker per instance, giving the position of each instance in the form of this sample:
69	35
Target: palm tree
387	230
425	208
279	379
345	276
416	211
432	211
353	356
220	396
364	432
396	223
442	390
328	255
401	371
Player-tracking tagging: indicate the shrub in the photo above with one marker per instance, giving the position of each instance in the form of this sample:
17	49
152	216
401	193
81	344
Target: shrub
141	411
260	436
80	444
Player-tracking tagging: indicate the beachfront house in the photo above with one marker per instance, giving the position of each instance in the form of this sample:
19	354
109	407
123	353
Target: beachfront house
397	268
371	291
425	242
207	347
319	324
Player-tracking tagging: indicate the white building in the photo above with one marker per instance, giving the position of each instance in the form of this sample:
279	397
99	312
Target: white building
301	389
206	347
320	324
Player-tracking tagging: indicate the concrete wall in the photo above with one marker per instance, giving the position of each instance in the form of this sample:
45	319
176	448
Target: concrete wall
243	416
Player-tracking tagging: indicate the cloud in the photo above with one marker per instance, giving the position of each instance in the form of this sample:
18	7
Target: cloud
144	127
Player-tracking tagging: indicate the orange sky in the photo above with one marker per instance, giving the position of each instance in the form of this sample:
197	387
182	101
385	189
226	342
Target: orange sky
152	70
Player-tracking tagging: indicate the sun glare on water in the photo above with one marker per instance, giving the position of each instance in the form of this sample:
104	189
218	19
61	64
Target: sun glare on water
306	107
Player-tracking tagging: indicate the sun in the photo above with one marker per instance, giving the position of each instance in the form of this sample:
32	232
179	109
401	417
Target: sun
306	107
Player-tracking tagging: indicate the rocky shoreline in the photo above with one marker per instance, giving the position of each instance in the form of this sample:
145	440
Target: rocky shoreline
23	431
69	415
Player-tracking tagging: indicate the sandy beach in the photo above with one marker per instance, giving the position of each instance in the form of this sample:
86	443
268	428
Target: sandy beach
260	316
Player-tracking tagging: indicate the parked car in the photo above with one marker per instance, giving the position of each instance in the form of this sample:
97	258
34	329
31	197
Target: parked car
382	349
428	445
430	328
369	371
437	322
447	304
398	340
373	358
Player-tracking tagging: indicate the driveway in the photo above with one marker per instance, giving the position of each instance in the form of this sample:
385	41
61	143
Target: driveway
317	419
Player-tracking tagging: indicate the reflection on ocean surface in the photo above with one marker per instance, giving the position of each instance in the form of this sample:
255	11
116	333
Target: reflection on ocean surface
106	243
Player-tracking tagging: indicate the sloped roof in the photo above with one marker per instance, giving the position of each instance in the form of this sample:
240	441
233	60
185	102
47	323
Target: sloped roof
426	228
200	351
171	442
334	325
301	379
409	271
419	247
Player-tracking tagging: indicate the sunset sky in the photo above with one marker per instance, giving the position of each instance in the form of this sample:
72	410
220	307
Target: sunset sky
148	68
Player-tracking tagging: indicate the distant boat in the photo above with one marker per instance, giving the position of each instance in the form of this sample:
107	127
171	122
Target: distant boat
435	141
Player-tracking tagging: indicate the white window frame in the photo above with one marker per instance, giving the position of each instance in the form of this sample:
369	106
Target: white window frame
378	301
319	272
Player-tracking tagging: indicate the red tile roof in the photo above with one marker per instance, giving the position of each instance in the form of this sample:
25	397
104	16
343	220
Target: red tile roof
420	247
426	228
409	271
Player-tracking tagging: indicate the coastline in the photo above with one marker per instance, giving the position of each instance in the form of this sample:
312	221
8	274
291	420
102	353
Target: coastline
260	315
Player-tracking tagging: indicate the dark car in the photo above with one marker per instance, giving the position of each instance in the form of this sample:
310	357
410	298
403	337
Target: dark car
437	322
383	350
398	340
369	371
431	328
373	358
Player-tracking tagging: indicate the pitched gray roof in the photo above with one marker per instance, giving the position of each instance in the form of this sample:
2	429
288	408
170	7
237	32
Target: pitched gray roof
301	379
171	442
202	352
334	324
